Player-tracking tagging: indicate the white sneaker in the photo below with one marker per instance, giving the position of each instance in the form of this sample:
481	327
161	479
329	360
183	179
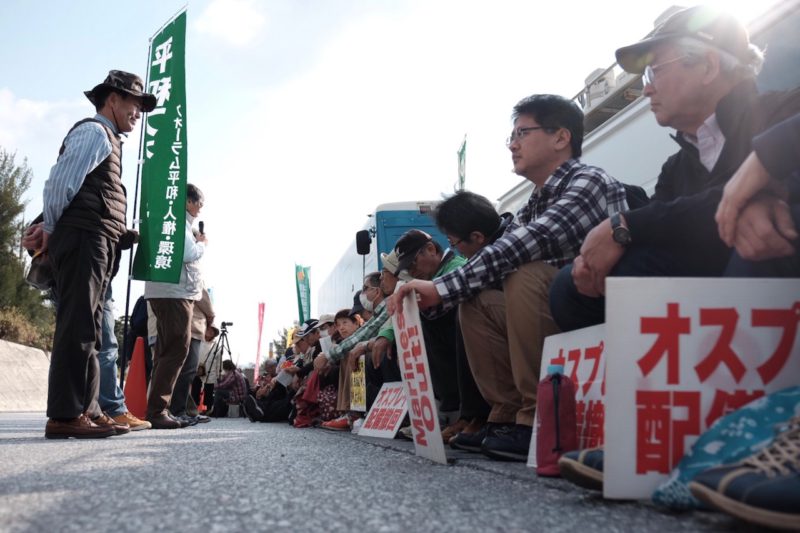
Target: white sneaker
357	425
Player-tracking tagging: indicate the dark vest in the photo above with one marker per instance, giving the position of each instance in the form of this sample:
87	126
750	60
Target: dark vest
100	204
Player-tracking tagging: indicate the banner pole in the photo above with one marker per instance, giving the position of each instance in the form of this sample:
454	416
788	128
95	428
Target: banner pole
135	224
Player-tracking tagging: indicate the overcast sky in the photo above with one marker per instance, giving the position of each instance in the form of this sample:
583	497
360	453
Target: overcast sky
304	115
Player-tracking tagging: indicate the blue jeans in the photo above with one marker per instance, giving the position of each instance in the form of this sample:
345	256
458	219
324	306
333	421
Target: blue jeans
111	398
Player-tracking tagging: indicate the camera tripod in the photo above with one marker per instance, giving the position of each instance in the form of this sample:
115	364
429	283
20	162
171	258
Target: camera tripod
217	352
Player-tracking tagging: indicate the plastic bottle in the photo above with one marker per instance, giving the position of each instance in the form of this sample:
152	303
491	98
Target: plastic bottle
556	426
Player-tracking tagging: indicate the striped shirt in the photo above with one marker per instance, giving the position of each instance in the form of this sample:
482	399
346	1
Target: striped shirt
85	148
550	228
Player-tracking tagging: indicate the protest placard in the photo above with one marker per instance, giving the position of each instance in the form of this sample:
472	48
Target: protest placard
387	412
358	387
413	361
682	353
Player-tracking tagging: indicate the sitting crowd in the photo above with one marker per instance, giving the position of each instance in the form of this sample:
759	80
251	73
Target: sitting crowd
725	204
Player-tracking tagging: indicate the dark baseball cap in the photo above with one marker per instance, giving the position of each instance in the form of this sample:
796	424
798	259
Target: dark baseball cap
702	23
408	245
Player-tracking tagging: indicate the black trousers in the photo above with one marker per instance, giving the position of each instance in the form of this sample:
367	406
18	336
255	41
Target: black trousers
572	310
453	384
82	265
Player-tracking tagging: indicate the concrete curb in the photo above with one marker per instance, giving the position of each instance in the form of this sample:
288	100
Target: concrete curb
23	378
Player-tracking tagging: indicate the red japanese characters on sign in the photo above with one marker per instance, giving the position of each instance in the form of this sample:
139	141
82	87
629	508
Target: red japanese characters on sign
387	412
683	353
413	361
660	434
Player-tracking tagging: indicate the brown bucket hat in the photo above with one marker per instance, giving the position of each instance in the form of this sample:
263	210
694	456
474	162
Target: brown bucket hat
123	82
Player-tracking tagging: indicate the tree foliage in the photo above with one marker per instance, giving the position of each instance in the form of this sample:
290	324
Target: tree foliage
280	342
24	306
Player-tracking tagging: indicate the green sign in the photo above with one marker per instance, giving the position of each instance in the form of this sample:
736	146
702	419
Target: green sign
162	214
303	292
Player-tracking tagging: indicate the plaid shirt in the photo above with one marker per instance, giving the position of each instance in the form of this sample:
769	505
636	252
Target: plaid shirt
234	381
550	228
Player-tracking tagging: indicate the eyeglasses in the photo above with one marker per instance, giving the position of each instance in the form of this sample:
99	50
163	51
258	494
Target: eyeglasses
519	133
454	244
649	75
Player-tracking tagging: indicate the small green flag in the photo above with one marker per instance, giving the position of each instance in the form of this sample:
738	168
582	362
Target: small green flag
462	164
303	292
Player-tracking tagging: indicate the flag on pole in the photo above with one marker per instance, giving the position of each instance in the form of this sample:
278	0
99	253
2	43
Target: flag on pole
162	212
303	292
462	164
258	348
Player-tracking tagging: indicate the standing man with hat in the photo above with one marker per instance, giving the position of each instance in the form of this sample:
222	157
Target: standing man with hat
84	220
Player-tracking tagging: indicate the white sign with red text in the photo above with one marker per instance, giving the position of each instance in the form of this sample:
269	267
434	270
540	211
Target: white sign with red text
582	355
387	412
681	353
413	360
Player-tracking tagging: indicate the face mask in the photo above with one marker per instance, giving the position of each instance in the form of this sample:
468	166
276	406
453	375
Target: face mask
323	333
365	302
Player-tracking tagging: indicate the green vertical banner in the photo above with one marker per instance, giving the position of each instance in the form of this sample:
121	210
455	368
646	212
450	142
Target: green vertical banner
462	164
303	292
162	214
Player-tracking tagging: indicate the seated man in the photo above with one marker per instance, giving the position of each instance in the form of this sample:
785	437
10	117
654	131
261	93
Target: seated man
231	390
453	383
273	400
764	232
699	71
762	488
470	222
569	198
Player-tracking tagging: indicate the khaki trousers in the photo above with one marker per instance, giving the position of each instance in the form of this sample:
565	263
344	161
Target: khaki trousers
504	336
174	325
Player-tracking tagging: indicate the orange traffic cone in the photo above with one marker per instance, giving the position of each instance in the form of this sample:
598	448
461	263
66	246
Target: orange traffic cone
136	384
202	407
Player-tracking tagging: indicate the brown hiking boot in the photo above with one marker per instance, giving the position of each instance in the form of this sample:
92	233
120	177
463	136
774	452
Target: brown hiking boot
77	428
106	421
136	424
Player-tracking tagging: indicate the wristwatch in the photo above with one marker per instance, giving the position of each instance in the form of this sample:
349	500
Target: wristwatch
619	233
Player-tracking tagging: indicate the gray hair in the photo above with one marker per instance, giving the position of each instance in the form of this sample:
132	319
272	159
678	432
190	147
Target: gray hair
729	64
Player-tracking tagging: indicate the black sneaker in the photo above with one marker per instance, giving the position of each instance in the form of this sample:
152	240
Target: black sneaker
583	467
471	442
252	409
186	419
763	489
508	443
182	420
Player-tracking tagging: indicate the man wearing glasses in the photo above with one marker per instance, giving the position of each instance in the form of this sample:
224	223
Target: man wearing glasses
699	71
569	198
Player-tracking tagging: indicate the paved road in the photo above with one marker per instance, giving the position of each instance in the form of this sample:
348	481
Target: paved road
231	475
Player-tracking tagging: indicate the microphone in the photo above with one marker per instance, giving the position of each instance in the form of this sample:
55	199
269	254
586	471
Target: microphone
202	227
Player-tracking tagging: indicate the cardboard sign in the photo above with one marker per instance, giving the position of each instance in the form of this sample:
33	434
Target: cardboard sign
413	360
582	354
681	353
358	387
387	412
